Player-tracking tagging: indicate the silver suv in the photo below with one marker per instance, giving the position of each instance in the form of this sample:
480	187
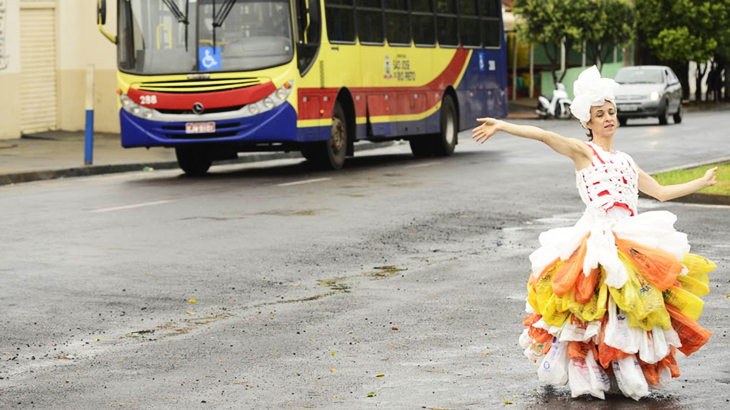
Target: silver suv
648	91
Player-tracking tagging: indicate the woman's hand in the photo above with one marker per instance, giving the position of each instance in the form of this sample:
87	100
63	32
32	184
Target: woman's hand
489	127
710	178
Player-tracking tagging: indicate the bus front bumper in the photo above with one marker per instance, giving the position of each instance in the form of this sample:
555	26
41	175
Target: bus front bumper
277	125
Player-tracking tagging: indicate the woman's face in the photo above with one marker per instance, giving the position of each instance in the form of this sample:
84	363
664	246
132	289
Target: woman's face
603	121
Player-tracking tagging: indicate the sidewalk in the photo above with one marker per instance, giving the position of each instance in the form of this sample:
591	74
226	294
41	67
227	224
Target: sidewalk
60	154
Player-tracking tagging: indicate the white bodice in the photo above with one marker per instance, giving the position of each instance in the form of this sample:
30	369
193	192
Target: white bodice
612	180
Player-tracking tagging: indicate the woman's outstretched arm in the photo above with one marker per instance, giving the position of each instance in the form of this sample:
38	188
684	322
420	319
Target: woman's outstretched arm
572	148
651	187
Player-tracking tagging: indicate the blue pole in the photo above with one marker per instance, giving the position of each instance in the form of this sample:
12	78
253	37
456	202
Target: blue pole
89	138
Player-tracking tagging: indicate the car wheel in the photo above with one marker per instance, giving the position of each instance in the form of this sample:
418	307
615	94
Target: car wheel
330	154
194	160
623	120
678	115
663	114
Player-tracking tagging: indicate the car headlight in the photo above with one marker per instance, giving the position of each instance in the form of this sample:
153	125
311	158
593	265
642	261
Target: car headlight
654	96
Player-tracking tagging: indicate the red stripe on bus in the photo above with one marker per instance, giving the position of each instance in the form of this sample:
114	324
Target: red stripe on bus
214	99
379	106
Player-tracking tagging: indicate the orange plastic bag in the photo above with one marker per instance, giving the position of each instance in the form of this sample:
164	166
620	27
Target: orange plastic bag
659	267
691	334
531	320
585	286
606	353
651	371
534	279
578	350
671	362
539	335
566	276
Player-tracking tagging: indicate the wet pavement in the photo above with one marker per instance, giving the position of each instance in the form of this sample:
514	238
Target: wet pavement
268	286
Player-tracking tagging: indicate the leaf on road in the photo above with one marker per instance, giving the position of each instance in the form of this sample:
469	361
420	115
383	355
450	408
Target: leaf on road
381	375
372	394
66	357
507	401
193	301
190	313
333	354
332	369
294	284
485	352
393	328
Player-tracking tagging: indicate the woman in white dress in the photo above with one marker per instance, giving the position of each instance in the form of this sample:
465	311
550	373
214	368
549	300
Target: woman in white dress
614	297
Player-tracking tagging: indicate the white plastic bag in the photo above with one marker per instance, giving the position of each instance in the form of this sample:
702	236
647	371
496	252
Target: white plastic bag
593	331
599	379
554	367
579	378
630	378
654	346
525	339
618	333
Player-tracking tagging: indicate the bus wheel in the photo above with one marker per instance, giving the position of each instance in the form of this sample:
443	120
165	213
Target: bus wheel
445	142
330	154
195	161
421	146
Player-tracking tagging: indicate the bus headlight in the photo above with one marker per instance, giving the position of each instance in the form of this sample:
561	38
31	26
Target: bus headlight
282	93
253	108
135	109
268	103
271	101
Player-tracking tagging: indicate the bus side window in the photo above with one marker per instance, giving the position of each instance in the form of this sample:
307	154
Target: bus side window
340	15
491	16
423	23
309	31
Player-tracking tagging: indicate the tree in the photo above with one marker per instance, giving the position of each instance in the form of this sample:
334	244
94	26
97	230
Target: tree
679	31
602	24
609	24
549	23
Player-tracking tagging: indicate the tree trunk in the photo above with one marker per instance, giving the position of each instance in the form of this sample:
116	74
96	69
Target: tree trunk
698	81
727	82
682	71
553	63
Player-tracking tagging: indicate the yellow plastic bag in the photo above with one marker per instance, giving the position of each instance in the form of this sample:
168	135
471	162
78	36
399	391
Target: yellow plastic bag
553	314
687	303
643	303
594	309
696	280
694	286
539	294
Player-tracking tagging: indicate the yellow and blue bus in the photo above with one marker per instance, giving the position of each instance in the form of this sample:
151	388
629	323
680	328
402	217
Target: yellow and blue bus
213	78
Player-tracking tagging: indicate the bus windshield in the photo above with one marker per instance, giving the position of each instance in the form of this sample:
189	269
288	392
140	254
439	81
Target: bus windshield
187	36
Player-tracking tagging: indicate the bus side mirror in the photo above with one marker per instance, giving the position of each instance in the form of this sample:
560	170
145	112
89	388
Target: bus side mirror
101	12
101	20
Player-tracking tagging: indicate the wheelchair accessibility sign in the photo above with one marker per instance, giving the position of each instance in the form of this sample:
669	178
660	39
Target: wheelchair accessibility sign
209	58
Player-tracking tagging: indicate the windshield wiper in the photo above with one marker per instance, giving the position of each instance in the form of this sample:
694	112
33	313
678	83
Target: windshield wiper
220	17
178	14
182	18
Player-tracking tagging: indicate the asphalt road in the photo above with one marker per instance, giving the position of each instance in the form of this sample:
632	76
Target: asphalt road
268	286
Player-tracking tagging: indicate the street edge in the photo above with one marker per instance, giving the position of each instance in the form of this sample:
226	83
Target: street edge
42	175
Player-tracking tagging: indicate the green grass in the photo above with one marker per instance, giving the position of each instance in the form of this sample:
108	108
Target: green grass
685	175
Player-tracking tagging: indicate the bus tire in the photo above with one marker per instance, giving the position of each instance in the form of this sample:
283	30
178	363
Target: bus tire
445	141
421	146
195	161
330	154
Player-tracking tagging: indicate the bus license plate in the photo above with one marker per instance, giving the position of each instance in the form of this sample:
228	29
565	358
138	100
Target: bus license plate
199	127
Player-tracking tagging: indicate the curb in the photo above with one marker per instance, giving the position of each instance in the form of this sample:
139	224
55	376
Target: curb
21	177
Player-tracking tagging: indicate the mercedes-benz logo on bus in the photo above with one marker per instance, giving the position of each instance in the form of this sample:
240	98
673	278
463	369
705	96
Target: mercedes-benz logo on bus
198	108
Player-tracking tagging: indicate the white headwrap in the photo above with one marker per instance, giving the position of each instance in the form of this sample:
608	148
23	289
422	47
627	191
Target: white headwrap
591	90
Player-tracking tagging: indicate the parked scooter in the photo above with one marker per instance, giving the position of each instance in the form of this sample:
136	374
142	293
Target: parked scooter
558	106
